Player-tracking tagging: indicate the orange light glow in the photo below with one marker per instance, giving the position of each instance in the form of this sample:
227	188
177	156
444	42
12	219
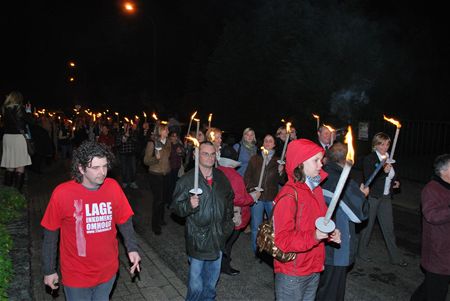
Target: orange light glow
154	116
196	144
193	115
329	128
288	127
265	151
393	121
349	140
129	7
316	116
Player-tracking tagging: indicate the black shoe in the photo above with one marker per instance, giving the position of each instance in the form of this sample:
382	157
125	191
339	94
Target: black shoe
402	264
230	271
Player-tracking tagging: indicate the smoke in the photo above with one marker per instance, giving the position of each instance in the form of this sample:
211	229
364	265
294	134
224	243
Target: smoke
346	102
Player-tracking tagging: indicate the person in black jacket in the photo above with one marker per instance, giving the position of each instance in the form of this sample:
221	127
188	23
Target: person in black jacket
15	153
209	222
380	203
352	209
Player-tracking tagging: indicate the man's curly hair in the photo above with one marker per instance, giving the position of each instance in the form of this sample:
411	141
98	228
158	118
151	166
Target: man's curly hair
84	154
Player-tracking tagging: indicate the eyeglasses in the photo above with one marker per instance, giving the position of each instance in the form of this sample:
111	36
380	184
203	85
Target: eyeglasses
209	155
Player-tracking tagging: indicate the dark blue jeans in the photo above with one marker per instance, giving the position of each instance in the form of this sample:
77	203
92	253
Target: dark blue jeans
258	210
96	293
203	277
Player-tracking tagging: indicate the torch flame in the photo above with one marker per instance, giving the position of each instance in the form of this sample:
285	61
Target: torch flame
136	117
329	128
210	117
145	115
349	140
116	113
288	127
212	136
393	121
126	119
316	116
196	120
154	116
193	115
196	144
264	151
164	122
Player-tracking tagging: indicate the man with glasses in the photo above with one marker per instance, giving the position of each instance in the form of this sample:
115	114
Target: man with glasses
209	222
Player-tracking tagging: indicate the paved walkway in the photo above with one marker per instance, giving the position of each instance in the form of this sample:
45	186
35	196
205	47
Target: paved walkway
157	282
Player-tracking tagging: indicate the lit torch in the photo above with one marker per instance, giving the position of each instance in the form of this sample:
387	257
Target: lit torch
195	190
209	120
190	123
317	120
333	133
394	144
264	153
288	134
325	224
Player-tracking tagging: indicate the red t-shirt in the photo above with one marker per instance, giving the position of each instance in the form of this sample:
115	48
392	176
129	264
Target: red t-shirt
87	221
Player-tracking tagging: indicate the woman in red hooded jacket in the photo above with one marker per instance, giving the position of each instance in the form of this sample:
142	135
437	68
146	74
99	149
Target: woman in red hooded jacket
294	223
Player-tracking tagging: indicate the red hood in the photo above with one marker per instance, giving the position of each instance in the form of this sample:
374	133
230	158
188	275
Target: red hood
299	151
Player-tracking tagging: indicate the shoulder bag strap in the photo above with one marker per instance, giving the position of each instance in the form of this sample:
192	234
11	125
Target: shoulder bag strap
295	196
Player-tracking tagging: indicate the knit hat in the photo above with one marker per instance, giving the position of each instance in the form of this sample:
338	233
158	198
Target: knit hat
298	151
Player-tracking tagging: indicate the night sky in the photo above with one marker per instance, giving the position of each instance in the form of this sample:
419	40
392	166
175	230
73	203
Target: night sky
116	53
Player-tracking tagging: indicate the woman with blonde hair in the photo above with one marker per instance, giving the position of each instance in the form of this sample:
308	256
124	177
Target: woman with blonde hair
15	153
245	149
156	157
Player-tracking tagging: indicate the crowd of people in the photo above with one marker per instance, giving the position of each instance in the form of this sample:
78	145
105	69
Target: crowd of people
241	186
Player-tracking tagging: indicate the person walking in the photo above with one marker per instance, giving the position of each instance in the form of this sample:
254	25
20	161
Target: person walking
380	203
84	213
15	153
209	222
299	203
435	259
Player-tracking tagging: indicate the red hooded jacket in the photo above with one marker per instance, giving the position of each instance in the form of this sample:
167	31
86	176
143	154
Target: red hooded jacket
241	197
295	225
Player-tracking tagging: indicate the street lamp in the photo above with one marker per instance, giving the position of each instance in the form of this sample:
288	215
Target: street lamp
129	7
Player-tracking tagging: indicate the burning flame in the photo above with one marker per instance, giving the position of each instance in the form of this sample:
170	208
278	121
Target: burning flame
145	115
164	122
136	117
212	136
196	144
282	120
393	121
329	128
288	127
349	140
193	115
316	116
126	119
264	151
154	116
210	117
116	113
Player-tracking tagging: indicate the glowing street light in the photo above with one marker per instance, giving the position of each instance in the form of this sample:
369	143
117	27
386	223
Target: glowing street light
129	7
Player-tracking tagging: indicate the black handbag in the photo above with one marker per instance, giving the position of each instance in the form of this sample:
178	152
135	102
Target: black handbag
265	239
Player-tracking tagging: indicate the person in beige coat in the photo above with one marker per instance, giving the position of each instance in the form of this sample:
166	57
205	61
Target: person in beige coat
156	157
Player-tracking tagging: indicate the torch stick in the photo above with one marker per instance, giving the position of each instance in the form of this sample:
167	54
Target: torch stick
325	224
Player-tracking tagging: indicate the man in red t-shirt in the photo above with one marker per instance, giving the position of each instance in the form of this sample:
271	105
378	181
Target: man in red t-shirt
85	212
